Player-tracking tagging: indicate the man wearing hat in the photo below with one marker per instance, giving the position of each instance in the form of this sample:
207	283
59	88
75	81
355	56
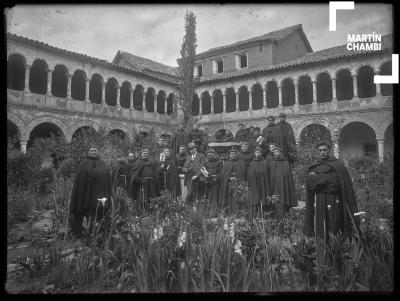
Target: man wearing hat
180	137
143	178
282	183
168	177
330	198
242	134
245	155
233	172
213	167
92	182
288	141
259	182
272	132
194	162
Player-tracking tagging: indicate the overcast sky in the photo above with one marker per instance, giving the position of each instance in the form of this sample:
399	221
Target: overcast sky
156	31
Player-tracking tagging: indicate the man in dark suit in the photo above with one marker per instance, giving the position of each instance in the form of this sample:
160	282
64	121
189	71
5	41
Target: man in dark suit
194	162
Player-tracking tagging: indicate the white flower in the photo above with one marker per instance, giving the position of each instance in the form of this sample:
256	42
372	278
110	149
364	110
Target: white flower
181	239
359	213
238	247
225	226
381	228
102	200
329	206
363	220
157	233
232	231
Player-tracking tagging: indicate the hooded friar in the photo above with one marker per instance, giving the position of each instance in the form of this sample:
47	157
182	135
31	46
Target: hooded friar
92	182
282	183
330	199
144	174
245	155
233	171
213	165
258	180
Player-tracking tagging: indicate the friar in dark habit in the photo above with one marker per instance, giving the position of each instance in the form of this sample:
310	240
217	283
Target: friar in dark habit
196	136
120	173
92	182
180	137
245	155
194	162
168	178
242	134
233	172
213	165
282	183
288	140
270	155
259	182
272	132
330	198
143	178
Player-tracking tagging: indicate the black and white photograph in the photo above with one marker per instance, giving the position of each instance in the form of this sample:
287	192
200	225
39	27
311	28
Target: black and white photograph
200	148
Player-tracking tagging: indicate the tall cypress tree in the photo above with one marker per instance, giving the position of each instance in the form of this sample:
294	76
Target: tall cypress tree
186	66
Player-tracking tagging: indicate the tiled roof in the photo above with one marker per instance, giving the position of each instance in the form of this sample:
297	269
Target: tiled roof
85	57
271	36
308	58
141	63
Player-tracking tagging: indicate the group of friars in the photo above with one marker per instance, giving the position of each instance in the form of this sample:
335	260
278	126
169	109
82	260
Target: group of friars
264	162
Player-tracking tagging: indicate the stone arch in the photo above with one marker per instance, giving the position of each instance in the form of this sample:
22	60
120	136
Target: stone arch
38	77
84	123
49	119
120	127
16	72
205	103
161	99
59	81
96	88
88	130
170	103
302	125
305	90
257	97
218	101
230	98
362	119
272	94
365	82
20	125
138	94
383	127
150	96
344	85
386	69
324	87
111	92
388	140
78	85
243	94
125	95
357	138
288	93
314	132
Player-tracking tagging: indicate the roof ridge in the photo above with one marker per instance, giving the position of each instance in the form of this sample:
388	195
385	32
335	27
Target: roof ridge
143	57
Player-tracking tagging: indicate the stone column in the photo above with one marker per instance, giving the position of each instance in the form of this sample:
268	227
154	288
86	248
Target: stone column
280	96
224	103
144	100
23	145
103	93
334	89
200	106
237	101
131	98
335	138
250	101
354	75
87	85
165	105
296	93
314	89
264	97
27	75
212	104
378	86
118	96
69	77
298	141
380	148
155	103
49	78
